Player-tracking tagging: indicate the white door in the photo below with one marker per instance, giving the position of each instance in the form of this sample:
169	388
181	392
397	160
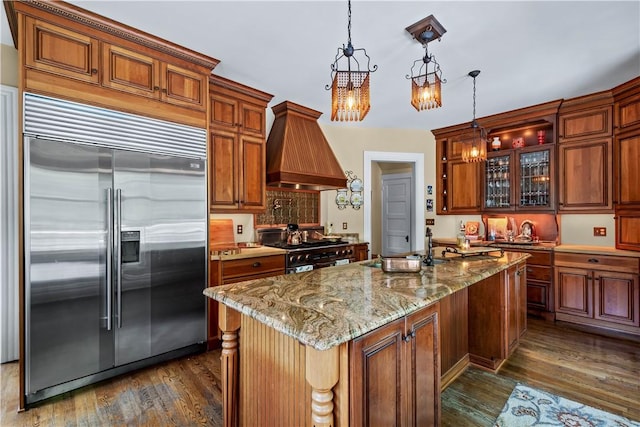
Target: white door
396	213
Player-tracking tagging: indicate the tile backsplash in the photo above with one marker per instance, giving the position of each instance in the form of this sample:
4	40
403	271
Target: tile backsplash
290	206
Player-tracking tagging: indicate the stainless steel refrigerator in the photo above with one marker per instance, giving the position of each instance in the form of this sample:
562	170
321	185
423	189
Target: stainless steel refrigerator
115	213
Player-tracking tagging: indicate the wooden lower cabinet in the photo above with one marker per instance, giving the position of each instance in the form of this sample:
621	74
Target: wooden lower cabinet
607	296
223	272
361	251
496	317
395	373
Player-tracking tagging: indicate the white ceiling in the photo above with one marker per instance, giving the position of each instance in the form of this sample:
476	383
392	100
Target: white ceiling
528	52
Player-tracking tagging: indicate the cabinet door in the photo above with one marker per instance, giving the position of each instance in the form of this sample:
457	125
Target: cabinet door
585	173
574	291
376	375
224	111
183	87
252	190
590	123
616	297
253	120
498	176
130	71
463	186
61	51
513	302
223	170
423	368
628	169
521	277
628	113
535	187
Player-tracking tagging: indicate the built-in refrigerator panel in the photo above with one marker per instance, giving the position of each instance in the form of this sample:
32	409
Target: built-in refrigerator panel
115	243
67	221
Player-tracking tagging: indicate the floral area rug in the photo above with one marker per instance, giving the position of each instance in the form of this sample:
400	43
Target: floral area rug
532	407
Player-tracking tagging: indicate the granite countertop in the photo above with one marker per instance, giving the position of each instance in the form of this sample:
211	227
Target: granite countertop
250	252
327	307
596	250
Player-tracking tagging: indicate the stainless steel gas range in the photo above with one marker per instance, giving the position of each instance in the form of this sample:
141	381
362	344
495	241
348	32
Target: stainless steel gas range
311	254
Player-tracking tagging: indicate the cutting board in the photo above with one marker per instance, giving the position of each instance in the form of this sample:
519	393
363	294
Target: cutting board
221	236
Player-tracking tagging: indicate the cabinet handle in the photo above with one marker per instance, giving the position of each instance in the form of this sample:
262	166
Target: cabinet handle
593	260
94	71
164	90
256	264
156	88
408	337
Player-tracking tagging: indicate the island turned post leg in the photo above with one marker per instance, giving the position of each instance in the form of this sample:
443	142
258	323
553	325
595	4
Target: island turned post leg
322	373
229	322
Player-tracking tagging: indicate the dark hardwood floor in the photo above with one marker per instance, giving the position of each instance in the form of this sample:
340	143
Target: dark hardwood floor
600	371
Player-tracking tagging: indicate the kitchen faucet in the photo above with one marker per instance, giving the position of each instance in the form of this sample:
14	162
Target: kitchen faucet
428	260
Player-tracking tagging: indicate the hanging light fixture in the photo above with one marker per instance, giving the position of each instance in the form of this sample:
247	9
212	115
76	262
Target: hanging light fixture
474	141
350	88
426	91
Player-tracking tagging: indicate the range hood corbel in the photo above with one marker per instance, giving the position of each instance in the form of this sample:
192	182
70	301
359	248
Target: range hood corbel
298	154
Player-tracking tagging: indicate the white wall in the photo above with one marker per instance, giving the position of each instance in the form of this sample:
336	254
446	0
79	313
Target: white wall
578	229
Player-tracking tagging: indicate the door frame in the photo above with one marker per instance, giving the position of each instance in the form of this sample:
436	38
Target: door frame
417	159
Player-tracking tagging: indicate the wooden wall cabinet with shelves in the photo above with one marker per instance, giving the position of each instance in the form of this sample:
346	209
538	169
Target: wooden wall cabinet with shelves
458	183
598	290
585	154
521	178
223	272
237	162
70	53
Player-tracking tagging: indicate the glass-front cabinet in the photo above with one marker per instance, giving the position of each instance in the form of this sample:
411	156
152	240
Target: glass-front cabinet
520	178
534	179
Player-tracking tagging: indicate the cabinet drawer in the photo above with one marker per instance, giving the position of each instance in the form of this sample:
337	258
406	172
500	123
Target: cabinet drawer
539	258
535	272
598	262
252	268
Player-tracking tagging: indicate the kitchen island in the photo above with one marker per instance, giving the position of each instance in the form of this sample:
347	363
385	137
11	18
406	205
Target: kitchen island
353	345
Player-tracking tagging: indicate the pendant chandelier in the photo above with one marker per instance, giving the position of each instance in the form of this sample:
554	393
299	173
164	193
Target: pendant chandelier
474	141
426	91
350	96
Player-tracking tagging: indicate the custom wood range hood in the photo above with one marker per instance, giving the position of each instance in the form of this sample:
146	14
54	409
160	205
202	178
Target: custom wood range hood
298	154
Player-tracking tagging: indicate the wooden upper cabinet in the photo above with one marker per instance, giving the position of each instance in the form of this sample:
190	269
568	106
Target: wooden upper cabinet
183	87
585	176
628	113
60	51
628	168
130	71
587	123
585	162
237	150
70	53
464	186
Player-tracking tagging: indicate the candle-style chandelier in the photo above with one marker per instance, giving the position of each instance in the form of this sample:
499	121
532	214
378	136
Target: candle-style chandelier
426	90
350	95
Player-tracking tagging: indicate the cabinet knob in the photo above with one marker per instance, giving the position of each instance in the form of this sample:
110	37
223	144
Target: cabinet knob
164	90
256	264
156	88
94	71
593	260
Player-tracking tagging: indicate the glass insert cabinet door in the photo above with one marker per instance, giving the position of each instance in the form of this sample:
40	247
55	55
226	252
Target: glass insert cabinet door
535	181
498	182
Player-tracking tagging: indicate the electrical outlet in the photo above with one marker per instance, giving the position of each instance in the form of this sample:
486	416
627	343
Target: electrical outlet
600	231
239	229
344	225
430	221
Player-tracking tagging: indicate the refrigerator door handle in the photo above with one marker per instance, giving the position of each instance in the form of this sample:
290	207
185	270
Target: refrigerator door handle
109	257
117	213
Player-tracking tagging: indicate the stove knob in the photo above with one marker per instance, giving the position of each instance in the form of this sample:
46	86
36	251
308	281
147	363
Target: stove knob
292	258
306	257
